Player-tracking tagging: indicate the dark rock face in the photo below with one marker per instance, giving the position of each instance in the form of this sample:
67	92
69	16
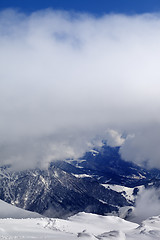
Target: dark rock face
107	166
55	193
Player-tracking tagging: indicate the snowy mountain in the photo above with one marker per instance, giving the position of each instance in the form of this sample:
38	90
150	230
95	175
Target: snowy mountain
95	184
106	166
100	182
56	193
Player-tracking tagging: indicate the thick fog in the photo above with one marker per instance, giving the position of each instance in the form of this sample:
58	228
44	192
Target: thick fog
69	80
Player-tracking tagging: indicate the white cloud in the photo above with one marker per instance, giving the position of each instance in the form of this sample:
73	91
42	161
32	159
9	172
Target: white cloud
114	139
147	205
63	75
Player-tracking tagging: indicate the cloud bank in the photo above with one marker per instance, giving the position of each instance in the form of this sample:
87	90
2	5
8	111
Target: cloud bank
66	78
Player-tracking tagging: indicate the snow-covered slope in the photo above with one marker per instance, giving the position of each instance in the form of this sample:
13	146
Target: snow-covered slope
9	211
127	192
83	226
93	224
28	229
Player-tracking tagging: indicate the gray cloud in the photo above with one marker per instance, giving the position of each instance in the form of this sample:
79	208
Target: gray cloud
66	78
147	205
143	146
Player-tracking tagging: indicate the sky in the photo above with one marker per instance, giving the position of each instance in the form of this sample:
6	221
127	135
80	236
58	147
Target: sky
97	7
73	74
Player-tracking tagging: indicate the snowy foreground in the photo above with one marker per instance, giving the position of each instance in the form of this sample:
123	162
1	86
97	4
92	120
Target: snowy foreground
81	226
16	223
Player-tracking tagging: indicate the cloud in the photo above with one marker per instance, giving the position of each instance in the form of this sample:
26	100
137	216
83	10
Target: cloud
67	77
114	139
147	205
143	147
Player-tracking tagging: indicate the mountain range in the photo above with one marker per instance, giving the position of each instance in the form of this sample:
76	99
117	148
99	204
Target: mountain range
72	186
